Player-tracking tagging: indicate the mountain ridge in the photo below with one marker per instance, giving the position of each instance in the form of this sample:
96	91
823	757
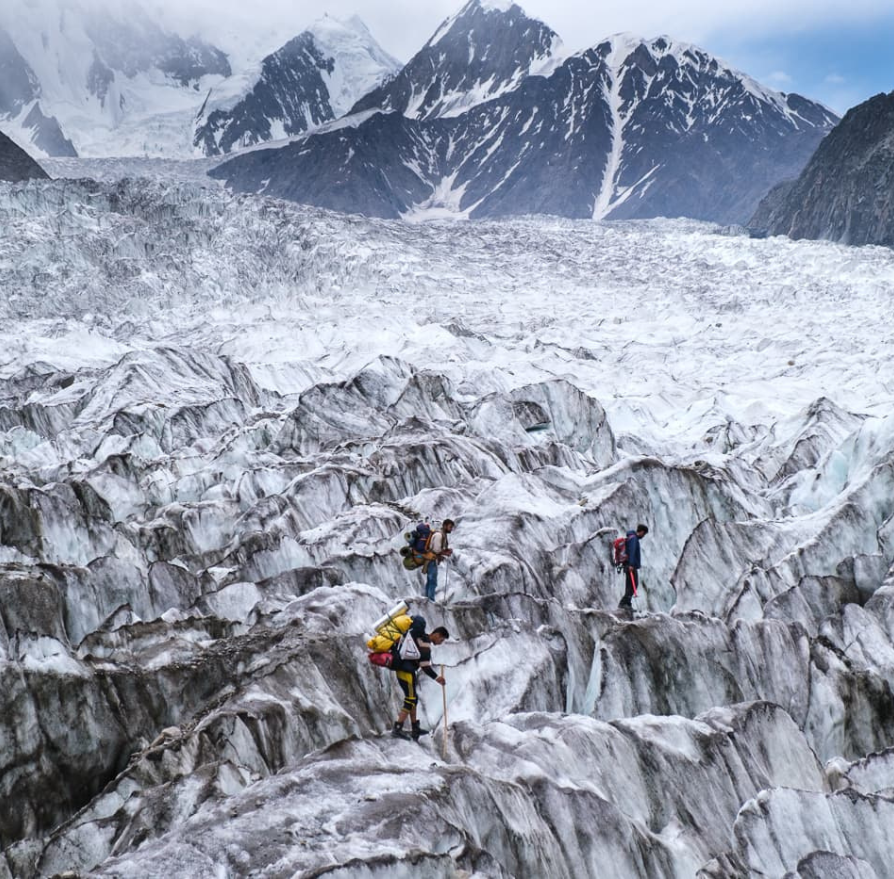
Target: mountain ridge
630	128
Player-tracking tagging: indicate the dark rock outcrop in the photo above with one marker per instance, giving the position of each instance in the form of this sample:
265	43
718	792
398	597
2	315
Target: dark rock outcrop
16	164
846	192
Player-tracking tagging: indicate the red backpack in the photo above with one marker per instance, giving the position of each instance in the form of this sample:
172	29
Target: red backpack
619	552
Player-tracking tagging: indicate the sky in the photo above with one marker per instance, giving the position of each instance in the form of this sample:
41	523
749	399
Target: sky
832	51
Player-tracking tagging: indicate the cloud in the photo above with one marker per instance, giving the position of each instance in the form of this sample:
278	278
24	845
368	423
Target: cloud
795	39
402	26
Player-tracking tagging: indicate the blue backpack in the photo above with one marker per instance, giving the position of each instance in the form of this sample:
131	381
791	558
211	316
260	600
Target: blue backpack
418	541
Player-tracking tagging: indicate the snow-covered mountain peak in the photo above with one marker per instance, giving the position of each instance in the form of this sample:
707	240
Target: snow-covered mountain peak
99	78
361	63
65	40
488	13
473	8
614	131
482	52
333	27
617	48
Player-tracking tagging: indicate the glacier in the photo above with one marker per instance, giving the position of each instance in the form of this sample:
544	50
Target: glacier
220	413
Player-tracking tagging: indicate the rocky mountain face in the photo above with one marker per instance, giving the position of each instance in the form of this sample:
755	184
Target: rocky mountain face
213	443
845	192
290	90
140	45
301	86
18	84
699	139
631	128
16	164
20	94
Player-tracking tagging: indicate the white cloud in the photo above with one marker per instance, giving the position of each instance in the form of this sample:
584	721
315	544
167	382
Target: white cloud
247	31
835	79
402	26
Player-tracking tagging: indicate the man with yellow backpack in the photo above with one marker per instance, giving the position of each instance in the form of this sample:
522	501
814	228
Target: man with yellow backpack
406	664
402	645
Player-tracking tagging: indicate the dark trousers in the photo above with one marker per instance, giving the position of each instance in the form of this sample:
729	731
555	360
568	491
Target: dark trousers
631	585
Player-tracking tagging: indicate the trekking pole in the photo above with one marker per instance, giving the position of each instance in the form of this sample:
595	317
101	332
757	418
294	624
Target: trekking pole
444	694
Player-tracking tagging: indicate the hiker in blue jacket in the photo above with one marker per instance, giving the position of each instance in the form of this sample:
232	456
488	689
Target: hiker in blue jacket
632	565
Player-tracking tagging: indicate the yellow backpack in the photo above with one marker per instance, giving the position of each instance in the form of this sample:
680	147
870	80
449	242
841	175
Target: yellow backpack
389	633
388	630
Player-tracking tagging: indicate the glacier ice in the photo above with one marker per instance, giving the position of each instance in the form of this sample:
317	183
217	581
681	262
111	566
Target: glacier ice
218	416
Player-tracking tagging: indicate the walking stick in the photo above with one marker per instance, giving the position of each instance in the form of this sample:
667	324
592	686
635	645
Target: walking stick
444	694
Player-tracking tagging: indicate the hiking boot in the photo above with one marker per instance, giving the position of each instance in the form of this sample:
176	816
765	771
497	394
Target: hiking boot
418	732
399	732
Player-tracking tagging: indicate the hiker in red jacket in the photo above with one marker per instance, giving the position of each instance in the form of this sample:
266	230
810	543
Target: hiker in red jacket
632	565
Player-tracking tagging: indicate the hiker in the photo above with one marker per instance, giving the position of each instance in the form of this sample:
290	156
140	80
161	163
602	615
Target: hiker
632	565
437	550
406	676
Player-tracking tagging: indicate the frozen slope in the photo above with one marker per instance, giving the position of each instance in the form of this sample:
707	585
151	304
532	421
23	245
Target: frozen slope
98	78
219	414
362	63
115	79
